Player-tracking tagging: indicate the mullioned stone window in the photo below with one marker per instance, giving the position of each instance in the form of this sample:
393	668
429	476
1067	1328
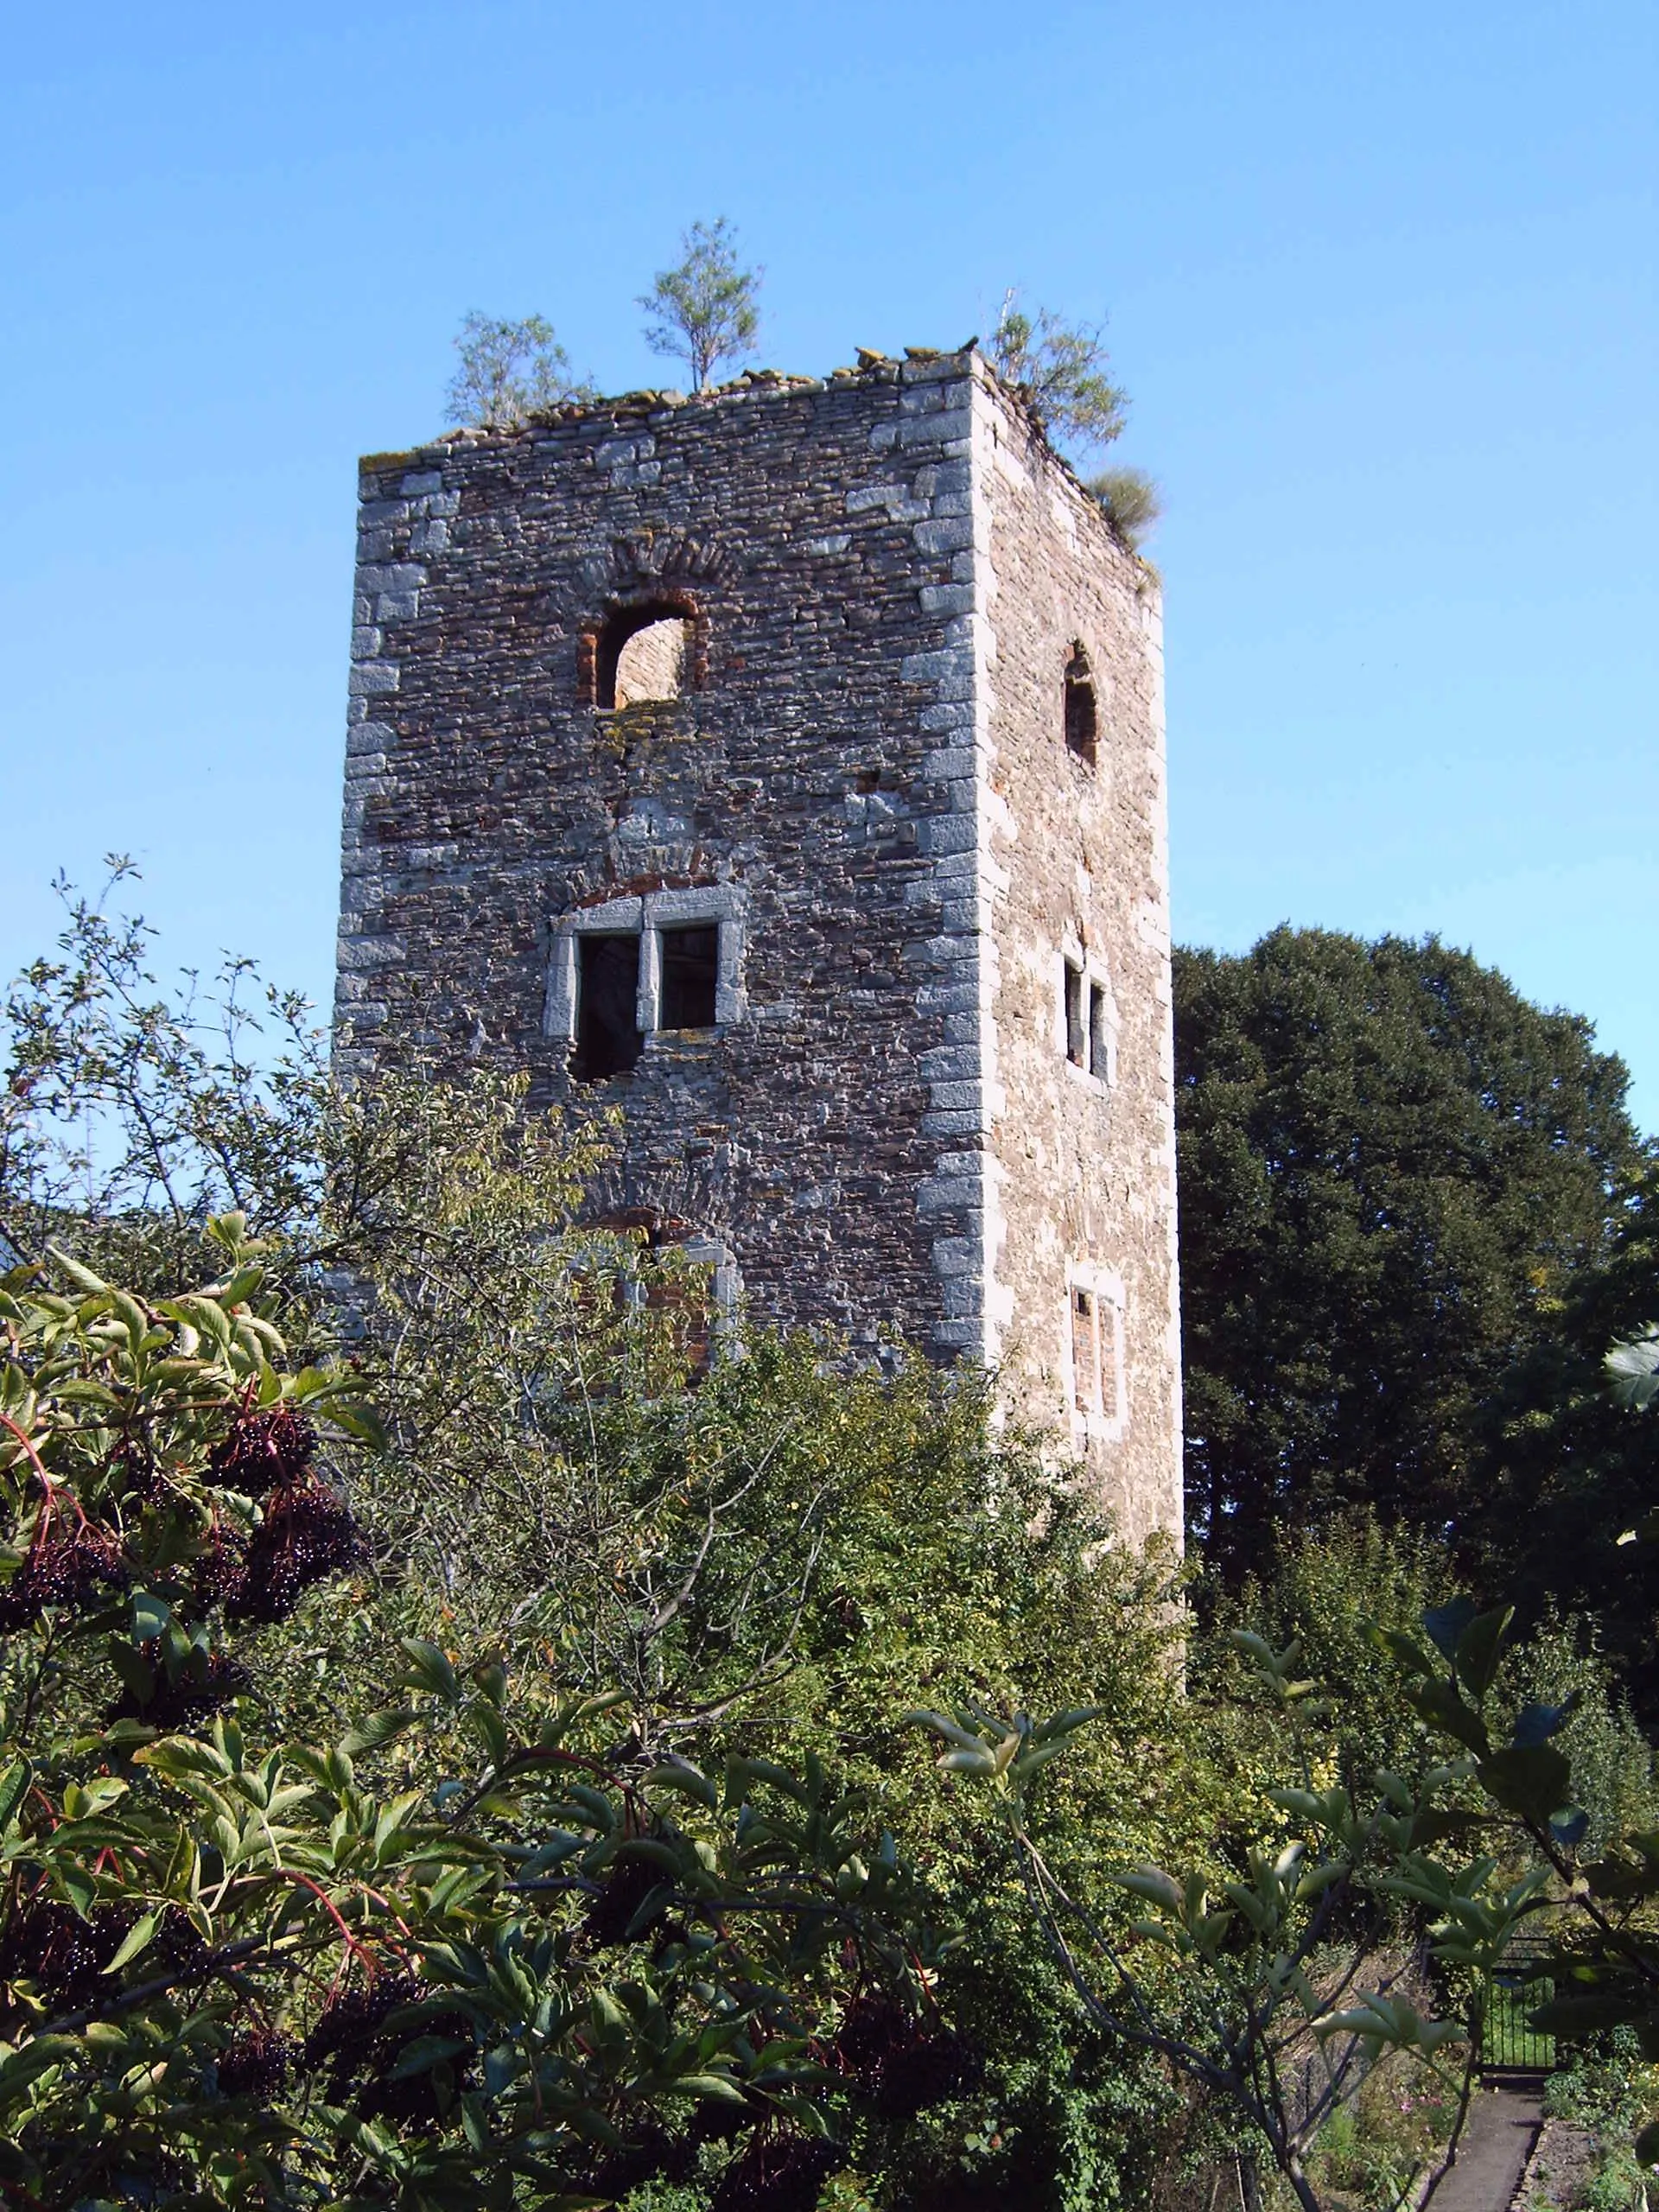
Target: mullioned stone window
1086	1020
702	1309
622	971
1096	1389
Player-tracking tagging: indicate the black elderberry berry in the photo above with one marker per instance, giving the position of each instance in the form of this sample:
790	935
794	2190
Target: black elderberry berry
220	1574
136	1464
63	1567
926	2073
267	1450
256	2064
21	1604
308	1533
49	1943
871	2027
901	2069
351	2040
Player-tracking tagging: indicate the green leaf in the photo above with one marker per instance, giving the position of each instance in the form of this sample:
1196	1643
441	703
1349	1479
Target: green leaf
1536	1724
1152	1884
709	2085
137	1937
424	2053
14	1788
379	1729
1446	1625
430	1669
1533	1780
1439	1702
150	1615
689	1781
1480	1647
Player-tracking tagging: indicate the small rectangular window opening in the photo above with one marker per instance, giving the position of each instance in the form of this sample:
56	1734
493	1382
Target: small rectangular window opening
1077	1031
608	1042
691	970
1086	1351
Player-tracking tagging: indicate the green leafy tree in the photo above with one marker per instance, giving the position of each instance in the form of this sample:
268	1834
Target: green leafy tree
705	310
1061	368
1496	1840
473	1948
1569	1465
1394	1170
768	1567
508	371
1257	1995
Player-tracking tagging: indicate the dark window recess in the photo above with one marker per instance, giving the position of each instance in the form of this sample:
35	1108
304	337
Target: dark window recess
690	964
1082	725
1076	1007
608	1010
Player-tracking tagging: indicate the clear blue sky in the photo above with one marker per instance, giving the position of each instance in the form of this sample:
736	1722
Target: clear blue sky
1380	282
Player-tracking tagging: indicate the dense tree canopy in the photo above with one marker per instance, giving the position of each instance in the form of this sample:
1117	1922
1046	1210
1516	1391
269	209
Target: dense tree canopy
449	1744
1394	1171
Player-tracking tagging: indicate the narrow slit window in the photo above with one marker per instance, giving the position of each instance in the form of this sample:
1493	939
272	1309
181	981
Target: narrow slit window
1076	1032
1082	722
690	971
608	1041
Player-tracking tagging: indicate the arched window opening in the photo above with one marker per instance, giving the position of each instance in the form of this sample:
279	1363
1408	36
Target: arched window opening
1082	722
643	655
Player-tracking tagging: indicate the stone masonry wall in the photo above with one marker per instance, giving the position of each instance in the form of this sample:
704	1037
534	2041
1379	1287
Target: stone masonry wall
818	535
1083	1173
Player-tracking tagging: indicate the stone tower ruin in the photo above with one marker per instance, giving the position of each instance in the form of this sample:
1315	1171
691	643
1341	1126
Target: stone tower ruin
786	766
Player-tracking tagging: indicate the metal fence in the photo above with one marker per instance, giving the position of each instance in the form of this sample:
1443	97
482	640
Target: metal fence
1519	1987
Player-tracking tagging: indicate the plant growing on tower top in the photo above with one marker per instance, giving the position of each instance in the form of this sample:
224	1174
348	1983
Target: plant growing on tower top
705	311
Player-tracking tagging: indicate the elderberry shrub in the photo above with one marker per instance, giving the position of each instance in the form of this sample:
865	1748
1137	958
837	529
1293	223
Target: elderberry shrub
778	2173
61	1567
352	2044
268	1450
255	2063
308	1533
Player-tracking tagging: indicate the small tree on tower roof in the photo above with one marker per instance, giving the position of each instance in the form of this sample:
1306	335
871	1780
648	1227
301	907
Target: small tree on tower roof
705	311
